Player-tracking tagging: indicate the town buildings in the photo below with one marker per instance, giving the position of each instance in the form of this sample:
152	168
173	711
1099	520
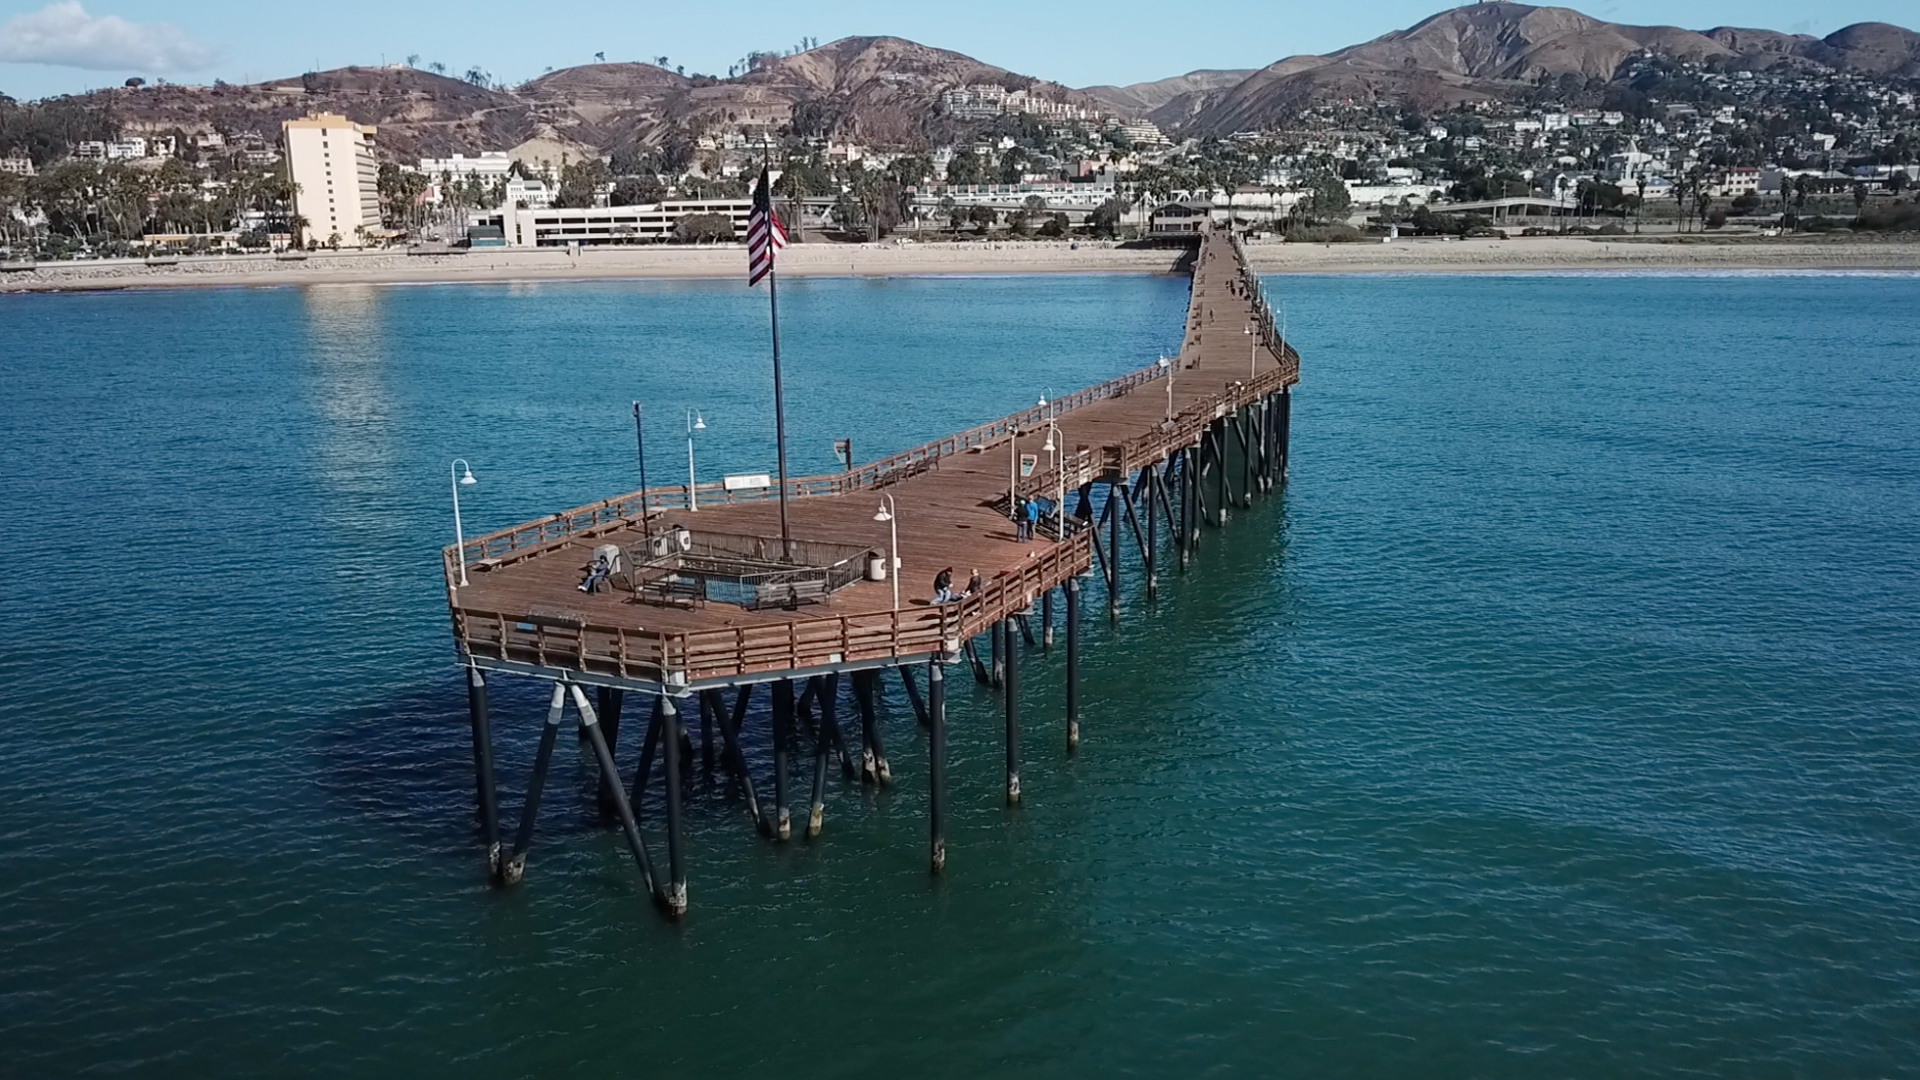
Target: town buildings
336	179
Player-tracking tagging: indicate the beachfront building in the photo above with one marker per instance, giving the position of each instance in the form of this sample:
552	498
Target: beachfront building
19	166
489	165
603	226
336	179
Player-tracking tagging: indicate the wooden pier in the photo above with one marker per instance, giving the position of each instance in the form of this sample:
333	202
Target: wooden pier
1177	445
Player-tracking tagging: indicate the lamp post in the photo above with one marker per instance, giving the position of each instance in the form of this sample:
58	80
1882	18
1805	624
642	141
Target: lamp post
695	422
886	513
460	473
1059	479
1013	476
1253	353
1166	365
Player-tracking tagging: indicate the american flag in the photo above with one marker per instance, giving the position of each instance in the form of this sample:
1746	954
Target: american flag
765	234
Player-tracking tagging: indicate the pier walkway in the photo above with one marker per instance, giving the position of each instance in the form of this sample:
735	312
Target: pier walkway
1180	441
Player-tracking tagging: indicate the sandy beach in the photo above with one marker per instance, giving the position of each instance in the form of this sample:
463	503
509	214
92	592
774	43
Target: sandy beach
1519	255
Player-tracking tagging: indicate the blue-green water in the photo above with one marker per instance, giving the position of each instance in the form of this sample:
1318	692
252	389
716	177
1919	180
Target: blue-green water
1563	719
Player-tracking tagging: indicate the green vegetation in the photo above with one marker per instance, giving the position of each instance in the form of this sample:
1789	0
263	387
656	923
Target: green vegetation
702	229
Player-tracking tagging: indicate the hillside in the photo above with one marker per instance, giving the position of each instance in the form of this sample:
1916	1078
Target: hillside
885	91
418	112
1139	99
1491	50
880	90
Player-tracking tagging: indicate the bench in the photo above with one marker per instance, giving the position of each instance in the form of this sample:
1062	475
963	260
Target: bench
670	592
790	594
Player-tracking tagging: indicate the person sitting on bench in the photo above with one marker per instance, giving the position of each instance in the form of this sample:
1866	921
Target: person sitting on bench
597	571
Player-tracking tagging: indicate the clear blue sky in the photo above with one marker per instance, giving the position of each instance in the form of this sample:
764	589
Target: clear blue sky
1079	42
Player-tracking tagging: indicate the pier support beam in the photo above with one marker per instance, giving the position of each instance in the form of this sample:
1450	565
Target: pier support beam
1013	726
937	763
737	759
873	756
1186	505
516	866
1243	425
1113	553
1151	474
826	695
608	701
1073	664
489	795
1286	431
782	734
671	736
913	694
997	672
590	726
1222	495
1046	621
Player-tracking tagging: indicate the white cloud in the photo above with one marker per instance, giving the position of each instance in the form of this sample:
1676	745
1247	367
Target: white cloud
64	35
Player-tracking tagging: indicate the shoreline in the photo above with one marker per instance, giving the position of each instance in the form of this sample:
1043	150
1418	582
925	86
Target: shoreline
1414	256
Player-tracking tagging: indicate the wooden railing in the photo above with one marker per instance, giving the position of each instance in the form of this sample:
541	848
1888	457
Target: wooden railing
533	538
559	640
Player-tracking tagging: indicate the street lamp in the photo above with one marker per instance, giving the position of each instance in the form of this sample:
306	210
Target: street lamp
1060	481
460	473
695	422
886	514
1253	353
1166	365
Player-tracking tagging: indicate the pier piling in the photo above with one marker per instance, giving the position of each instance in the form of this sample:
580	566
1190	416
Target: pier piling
1013	726
937	762
489	796
530	808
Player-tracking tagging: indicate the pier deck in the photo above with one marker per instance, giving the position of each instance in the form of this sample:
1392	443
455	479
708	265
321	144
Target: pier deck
522	611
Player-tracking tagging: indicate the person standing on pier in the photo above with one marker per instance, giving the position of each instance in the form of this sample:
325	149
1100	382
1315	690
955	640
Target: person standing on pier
1020	520
1032	516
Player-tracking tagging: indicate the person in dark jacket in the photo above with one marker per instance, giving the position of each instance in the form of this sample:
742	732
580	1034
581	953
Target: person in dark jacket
943	586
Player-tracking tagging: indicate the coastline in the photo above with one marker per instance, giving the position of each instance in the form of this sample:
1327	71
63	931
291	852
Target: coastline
1424	256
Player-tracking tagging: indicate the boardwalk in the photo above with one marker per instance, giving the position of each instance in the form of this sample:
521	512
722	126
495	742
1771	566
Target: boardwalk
1179	443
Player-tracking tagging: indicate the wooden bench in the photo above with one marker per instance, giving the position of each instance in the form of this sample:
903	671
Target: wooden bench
670	592
790	594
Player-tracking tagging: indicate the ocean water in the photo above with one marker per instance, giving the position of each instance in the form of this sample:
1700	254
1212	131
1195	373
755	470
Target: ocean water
1561	719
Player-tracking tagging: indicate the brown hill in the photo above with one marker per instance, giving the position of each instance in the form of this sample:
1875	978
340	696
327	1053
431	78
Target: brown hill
419	113
1870	48
880	90
1489	50
1143	98
1478	51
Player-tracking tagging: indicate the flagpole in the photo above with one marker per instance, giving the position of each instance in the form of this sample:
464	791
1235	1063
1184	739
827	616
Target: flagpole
779	406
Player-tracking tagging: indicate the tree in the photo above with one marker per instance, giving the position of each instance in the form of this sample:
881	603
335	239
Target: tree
1324	198
702	228
966	167
400	196
983	216
1057	226
1105	219
637	191
580	183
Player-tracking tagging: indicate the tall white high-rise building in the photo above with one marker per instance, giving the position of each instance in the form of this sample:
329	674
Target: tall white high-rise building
337	180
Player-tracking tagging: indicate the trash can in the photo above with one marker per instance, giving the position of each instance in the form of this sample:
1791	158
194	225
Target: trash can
876	566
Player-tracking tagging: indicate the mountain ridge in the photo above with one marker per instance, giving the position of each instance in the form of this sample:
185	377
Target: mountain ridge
885	91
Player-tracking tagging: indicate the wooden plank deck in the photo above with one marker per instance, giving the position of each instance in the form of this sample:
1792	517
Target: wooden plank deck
522	606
